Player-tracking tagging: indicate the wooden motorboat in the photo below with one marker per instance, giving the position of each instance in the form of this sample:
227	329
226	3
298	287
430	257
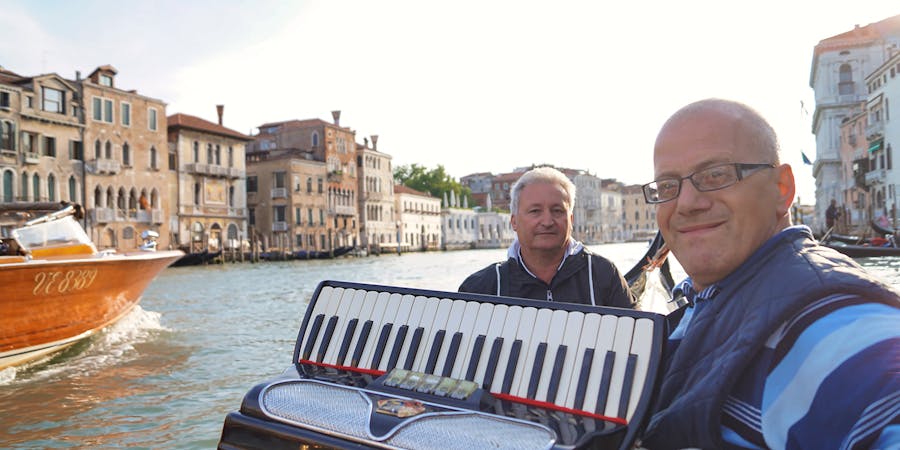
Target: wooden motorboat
863	251
57	287
196	259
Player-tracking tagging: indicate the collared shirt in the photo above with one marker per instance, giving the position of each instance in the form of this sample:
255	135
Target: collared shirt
799	393
515	251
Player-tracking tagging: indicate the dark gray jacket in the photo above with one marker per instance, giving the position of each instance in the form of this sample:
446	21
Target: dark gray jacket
570	284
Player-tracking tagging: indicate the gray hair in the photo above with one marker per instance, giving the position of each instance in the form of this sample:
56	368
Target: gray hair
757	128
542	175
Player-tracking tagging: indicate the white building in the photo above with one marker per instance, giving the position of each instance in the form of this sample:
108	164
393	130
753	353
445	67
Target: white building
376	197
840	65
588	221
882	133
418	219
494	230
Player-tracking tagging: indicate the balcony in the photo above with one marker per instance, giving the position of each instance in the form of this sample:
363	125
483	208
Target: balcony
32	158
875	177
102	215
104	165
342	211
151	216
197	168
8	156
279	226
874	130
218	171
335	176
235	173
236	212
279	192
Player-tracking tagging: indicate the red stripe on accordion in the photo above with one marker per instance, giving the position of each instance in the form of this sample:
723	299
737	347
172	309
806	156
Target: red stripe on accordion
511	398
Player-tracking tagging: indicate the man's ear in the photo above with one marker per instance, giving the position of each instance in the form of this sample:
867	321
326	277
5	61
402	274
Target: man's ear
512	222
786	188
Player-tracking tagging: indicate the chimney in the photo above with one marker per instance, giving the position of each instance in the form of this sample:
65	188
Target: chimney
77	75
374	142
221	110
337	117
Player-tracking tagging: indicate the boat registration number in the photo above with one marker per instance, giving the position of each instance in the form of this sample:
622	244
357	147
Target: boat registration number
63	282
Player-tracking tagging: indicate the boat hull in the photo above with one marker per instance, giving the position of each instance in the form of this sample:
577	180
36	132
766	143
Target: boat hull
48	305
865	251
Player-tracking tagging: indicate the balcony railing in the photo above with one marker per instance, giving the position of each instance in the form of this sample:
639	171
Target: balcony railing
218	171
279	226
197	168
104	165
875	176
279	193
32	158
102	215
235	173
342	210
874	130
151	216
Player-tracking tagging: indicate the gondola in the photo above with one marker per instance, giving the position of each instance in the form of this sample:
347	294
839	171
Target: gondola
863	251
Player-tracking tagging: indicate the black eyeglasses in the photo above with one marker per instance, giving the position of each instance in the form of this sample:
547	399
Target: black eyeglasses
705	180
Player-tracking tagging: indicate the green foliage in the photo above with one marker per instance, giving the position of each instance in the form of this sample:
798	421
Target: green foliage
434	181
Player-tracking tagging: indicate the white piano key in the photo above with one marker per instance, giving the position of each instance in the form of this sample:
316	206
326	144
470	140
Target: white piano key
532	331
334	302
356	311
414	321
510	328
555	332
589	330
622	347
479	315
439	323
319	307
470	319
482	327
606	336
382	304
570	339
401	318
454	322
494	329
370	299
641	345
334	346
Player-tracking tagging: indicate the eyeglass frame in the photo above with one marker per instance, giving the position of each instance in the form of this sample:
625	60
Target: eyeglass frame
740	170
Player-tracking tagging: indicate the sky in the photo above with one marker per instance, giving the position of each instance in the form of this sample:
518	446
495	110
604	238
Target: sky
475	86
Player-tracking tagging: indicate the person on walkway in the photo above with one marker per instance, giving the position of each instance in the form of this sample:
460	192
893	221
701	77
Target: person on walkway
784	344
544	262
831	214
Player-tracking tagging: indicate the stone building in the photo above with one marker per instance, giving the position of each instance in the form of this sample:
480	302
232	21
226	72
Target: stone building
418	219
377	224
639	217
210	195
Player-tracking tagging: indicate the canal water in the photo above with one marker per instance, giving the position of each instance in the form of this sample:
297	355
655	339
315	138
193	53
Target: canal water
167	374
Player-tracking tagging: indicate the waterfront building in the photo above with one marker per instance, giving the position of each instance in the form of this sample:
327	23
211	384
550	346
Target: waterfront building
882	131
127	175
418	224
500	189
840	65
638	217
40	139
854	154
587	210
210	192
459	227
324	142
377	225
611	229
494	230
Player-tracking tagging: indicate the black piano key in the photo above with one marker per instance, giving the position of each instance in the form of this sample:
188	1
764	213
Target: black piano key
382	343
435	351
345	345
493	360
536	370
556	374
326	338
413	348
511	366
605	381
626	385
451	354
476	355
361	343
398	346
583	376
310	344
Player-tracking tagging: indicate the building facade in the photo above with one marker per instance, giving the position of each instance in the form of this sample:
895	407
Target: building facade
418	224
839	69
882	134
377	224
587	210
639	217
210	195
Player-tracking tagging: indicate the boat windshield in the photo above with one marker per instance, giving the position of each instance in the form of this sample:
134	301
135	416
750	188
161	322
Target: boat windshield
62	232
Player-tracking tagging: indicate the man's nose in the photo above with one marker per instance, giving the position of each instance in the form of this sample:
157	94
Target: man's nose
690	198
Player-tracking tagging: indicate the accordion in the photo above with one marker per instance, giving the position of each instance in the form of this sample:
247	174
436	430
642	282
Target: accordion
393	367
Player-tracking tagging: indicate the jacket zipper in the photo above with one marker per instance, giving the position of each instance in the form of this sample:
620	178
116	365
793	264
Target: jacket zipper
549	295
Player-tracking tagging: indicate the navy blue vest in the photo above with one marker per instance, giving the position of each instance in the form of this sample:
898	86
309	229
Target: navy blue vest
773	285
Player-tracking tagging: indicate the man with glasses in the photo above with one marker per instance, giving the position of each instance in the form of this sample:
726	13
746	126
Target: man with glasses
783	343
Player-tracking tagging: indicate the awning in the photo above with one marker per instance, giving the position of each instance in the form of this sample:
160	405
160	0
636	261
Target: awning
875	146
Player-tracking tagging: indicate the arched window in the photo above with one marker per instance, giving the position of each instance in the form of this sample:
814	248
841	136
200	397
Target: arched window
218	155
153	163
230	156
108	150
196	193
196	151
36	187
24	194
126	154
231	196
51	188
98	197
845	85
209	154
73	190
110	198
97	154
122	200
7	136
315	139
7	186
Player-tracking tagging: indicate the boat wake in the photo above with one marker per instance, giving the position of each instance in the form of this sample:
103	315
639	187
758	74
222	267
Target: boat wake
112	345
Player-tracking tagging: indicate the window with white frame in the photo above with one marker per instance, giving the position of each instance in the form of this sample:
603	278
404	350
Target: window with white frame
106	80
151	119
54	100
102	109
126	114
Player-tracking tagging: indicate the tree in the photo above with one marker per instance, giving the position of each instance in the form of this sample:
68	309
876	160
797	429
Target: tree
435	181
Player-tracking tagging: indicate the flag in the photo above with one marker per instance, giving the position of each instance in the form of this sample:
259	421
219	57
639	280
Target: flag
805	159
